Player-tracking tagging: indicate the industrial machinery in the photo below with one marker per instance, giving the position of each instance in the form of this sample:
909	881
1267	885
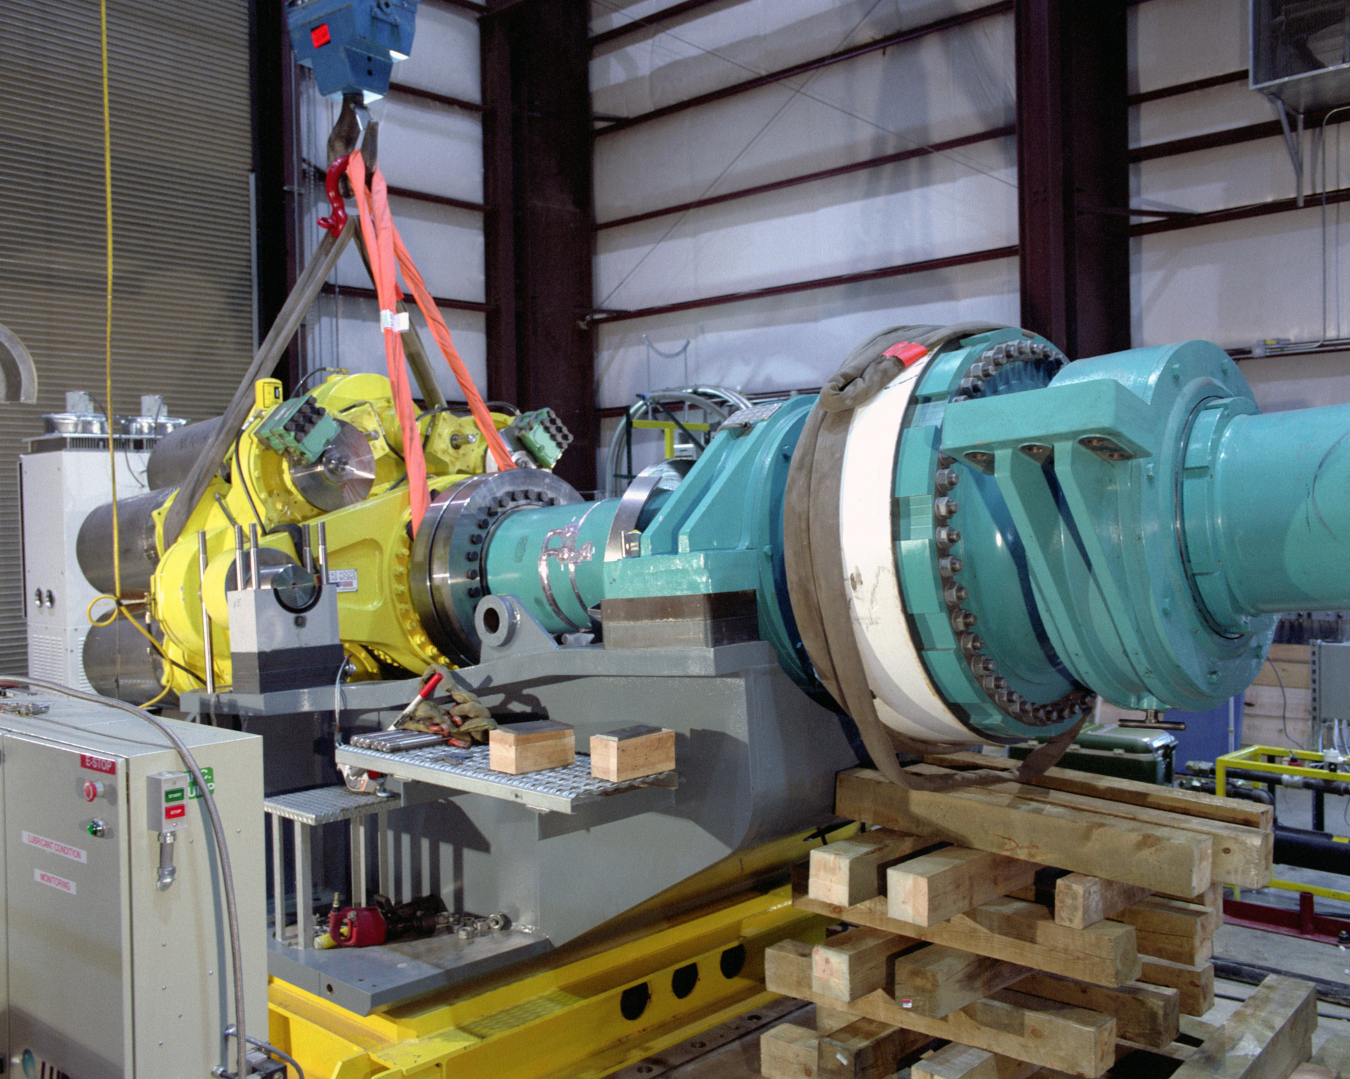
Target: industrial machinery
108	849
63	476
961	541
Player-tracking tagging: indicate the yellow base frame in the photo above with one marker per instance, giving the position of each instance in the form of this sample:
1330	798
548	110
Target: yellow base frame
1265	759
565	1016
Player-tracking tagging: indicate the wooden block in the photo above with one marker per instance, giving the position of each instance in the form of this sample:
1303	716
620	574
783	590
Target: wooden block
956	1061
1313	1071
828	1019
1041	1032
934	887
518	748
1196	1029
1008	929
632	752
937	980
1170	929
1148	1015
1130	791
1242	855
1158	858
851	870
1081	901
1334	1054
788	1052
865	1049
1268	1036
1293	653
1211	897
787	969
854	963
1175	1051
1194	982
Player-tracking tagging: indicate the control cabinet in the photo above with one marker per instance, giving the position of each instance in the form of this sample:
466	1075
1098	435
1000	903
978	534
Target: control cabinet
108	971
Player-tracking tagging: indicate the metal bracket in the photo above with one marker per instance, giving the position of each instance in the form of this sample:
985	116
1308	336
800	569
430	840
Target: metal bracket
1293	141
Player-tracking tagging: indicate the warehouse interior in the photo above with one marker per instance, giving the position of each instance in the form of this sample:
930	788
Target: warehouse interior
675	539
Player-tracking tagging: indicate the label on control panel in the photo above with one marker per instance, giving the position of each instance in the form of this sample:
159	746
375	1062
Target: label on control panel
51	880
345	579
209	776
98	764
51	846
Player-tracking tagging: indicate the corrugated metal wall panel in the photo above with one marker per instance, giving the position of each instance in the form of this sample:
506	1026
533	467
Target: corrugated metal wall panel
182	298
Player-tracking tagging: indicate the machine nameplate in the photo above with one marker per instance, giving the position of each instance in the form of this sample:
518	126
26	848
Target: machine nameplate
345	579
51	846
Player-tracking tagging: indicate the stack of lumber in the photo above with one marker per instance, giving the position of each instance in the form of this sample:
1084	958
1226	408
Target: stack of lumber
1051	926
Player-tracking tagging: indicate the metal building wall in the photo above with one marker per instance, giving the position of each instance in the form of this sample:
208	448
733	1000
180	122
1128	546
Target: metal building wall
1225	253
1249	268
183	300
947	77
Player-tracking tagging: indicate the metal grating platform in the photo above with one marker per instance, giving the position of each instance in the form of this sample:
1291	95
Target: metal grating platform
327	805
556	790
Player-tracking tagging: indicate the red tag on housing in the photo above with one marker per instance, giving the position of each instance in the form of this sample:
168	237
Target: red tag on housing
320	35
907	352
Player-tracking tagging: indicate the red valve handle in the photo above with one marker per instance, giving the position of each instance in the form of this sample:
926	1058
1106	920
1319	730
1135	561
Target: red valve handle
337	220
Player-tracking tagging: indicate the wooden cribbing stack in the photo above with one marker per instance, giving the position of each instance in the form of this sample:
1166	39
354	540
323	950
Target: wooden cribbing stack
1054	926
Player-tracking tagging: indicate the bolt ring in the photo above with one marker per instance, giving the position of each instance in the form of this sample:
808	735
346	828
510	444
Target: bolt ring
983	667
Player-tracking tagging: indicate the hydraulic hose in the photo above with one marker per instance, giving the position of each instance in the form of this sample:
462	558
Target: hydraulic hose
217	828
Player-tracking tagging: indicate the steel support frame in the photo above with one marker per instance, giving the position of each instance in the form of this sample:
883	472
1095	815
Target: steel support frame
1072	160
564	1016
539	226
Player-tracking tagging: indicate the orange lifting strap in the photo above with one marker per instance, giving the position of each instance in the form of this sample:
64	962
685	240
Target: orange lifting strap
387	256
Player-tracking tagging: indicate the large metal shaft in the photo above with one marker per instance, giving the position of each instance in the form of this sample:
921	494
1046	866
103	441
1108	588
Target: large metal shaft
1282	510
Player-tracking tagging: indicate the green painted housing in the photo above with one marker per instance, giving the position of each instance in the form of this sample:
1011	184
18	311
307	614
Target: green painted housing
1129	525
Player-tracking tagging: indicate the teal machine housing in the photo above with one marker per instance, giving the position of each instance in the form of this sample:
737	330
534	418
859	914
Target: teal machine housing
1128	525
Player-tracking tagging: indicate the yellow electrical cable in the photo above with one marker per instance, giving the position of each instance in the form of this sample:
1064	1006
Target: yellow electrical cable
89	612
108	305
116	597
156	698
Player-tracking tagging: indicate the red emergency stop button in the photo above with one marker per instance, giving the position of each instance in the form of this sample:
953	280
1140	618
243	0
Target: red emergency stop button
93	790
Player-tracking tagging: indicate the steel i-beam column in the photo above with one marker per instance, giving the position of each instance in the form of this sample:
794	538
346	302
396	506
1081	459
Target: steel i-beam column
539	229
1073	173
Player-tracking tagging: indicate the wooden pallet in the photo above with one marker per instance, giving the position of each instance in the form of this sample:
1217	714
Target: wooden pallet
1055	926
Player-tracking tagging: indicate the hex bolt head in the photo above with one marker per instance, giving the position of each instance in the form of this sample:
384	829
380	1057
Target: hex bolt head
955	594
945	508
945	479
949	566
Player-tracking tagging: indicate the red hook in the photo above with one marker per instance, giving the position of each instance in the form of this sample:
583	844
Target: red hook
337	220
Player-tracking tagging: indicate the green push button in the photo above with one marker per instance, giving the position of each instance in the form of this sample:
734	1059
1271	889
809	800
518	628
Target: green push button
174	794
